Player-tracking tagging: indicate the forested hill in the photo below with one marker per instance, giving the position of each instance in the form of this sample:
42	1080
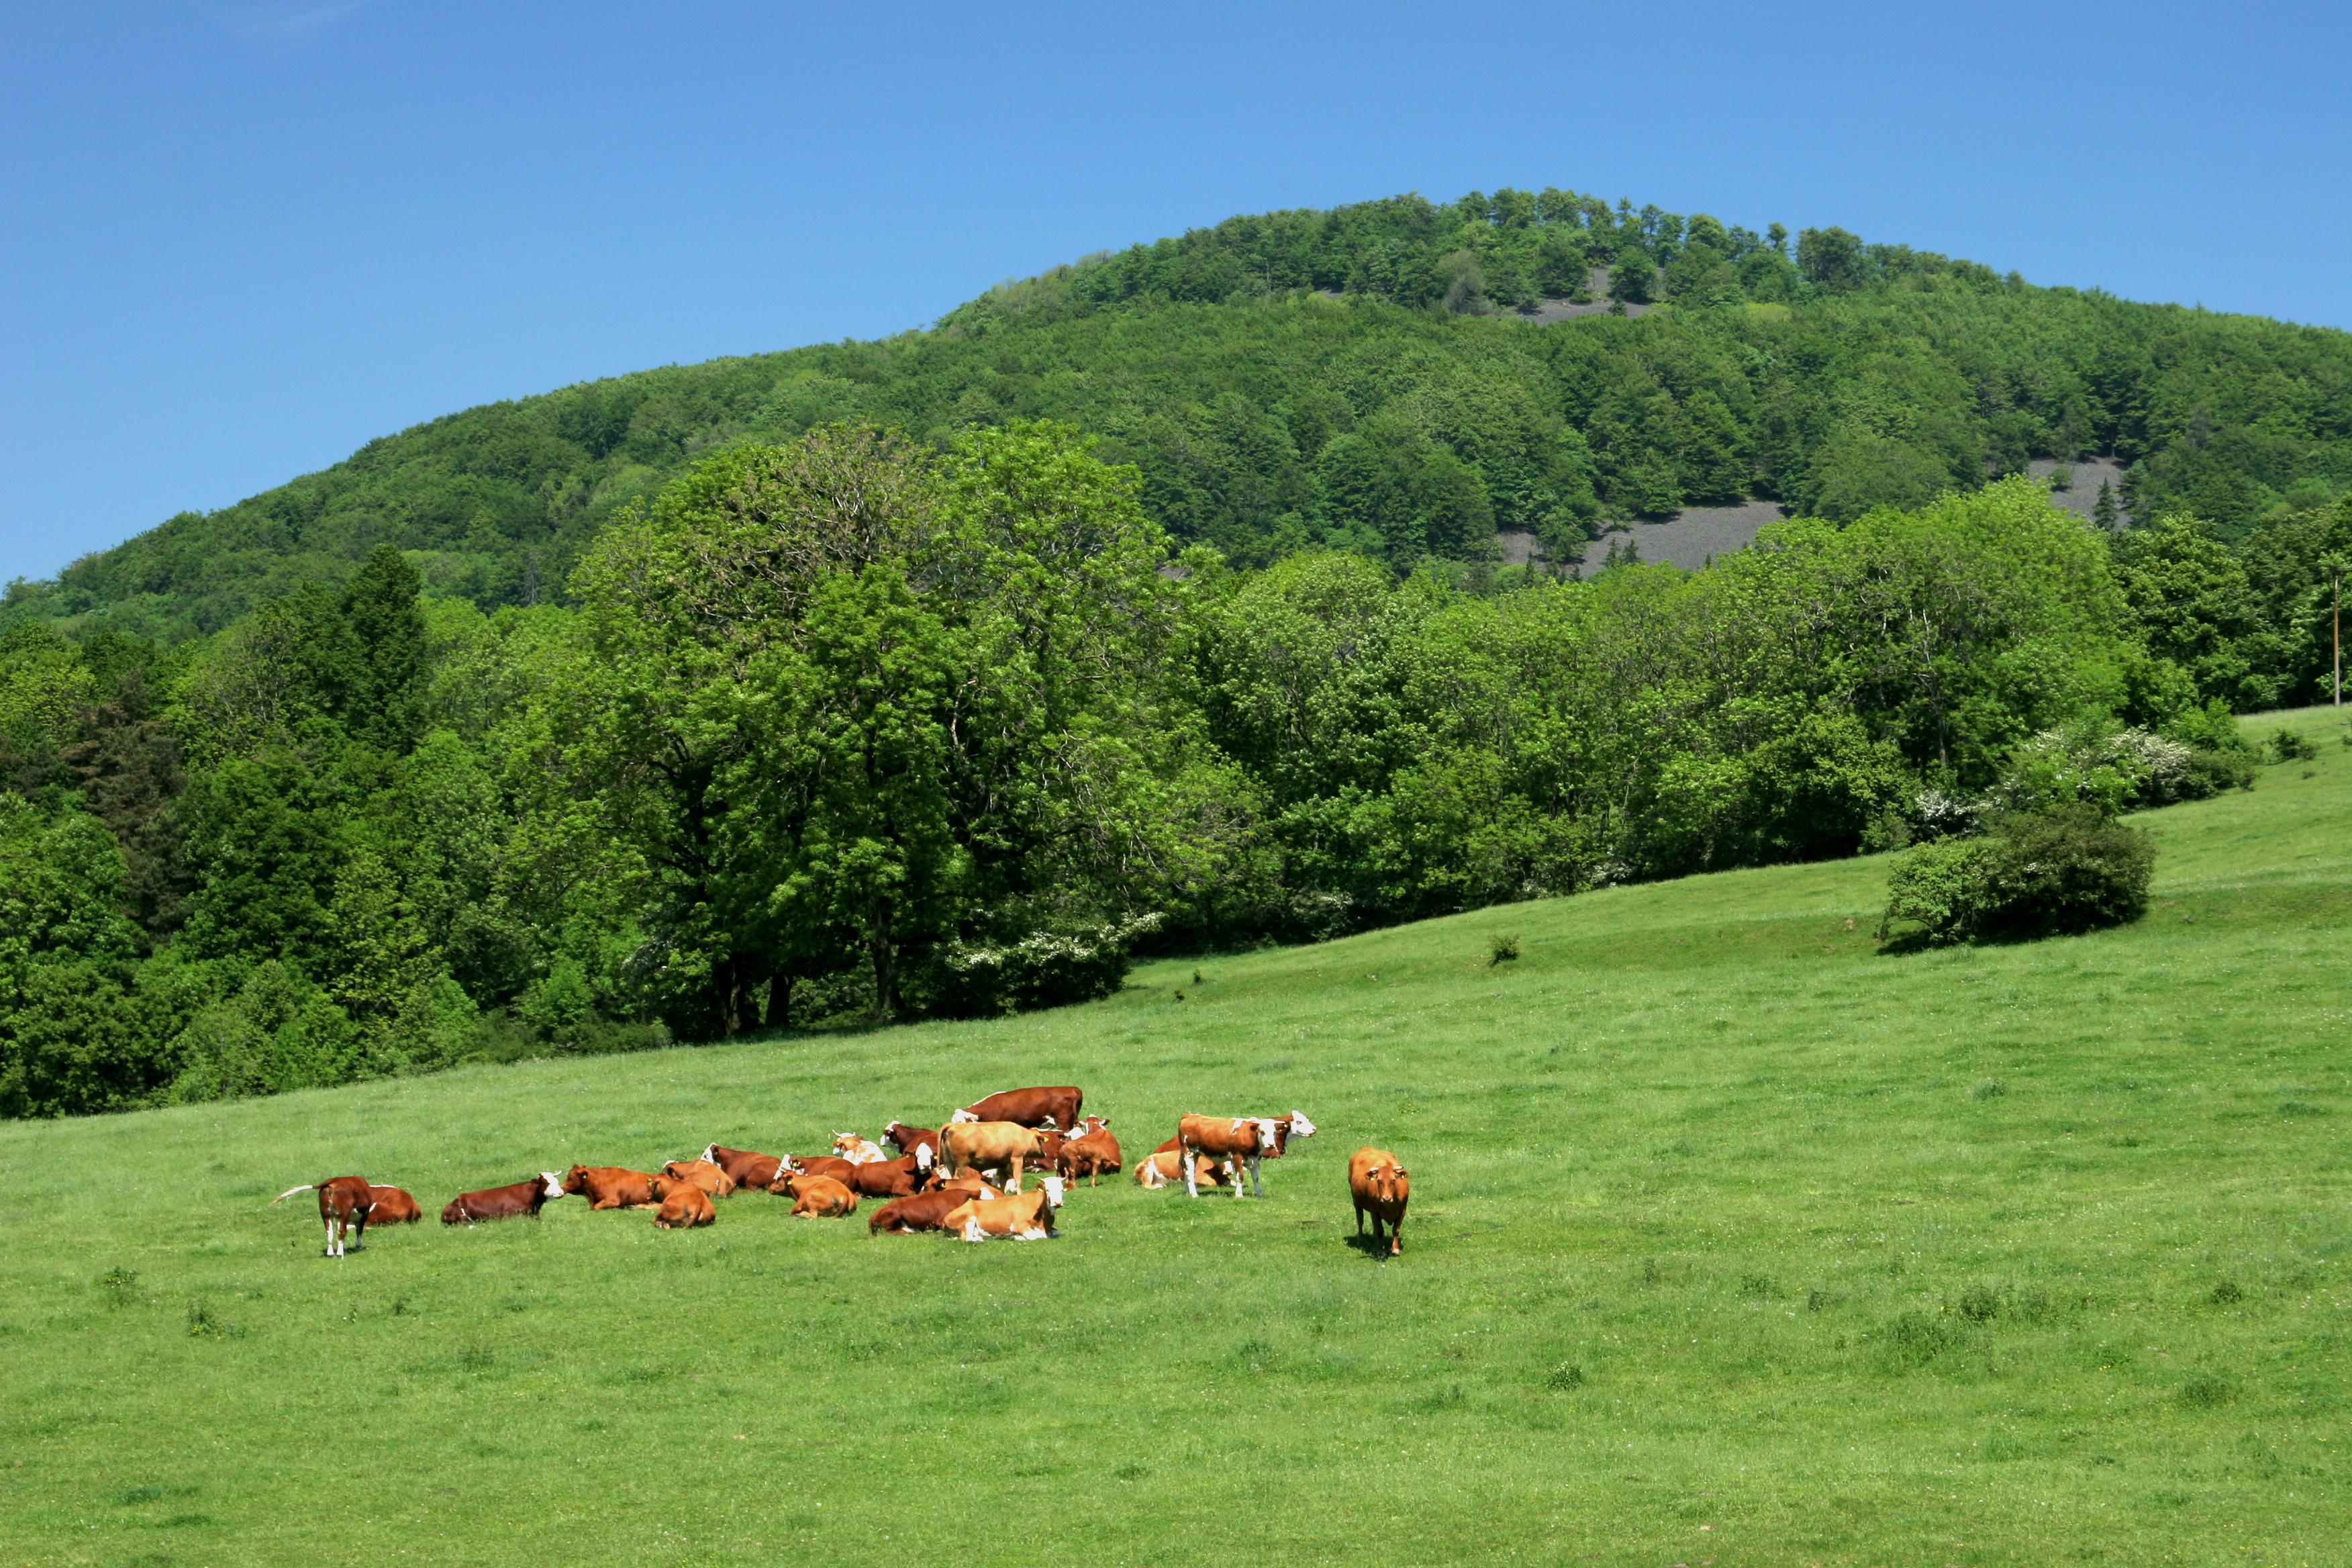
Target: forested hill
1393	378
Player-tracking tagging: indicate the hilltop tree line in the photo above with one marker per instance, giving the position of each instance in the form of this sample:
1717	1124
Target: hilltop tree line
1364	380
859	725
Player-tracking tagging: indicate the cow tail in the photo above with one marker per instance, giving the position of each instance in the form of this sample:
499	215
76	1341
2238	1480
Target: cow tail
305	1187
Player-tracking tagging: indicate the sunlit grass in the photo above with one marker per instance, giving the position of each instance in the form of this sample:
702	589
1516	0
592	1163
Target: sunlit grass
1732	1239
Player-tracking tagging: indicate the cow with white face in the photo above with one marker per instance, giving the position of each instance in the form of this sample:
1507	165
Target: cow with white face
1027	1218
1244	1140
857	1149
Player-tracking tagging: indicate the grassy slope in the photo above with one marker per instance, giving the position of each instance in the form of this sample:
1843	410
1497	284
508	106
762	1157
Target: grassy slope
1701	1143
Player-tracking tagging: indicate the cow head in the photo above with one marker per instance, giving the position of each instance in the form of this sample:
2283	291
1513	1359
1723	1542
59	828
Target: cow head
657	1187
963	1115
710	1152
846	1143
575	1180
1299	1126
782	1185
1386	1183
1053	1186
925	1157
551	1185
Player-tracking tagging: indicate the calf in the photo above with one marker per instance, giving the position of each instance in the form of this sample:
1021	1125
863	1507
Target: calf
1377	1182
925	1211
745	1167
504	1203
886	1179
817	1198
1056	1106
1092	1151
977	1146
344	1205
684	1205
1028	1217
612	1186
856	1149
1246	1138
711	1178
394	1206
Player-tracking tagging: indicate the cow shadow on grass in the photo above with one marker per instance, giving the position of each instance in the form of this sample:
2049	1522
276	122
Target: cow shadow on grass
1374	1251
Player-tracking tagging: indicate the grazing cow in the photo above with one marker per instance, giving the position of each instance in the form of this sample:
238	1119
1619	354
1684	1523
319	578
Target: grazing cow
1246	1138
977	1146
393	1206
1030	1107
1093	1150
1026	1217
925	1211
856	1149
504	1203
684	1205
712	1179
613	1186
915	1141
746	1168
344	1205
817	1197
1165	1167
1377	1182
886	1179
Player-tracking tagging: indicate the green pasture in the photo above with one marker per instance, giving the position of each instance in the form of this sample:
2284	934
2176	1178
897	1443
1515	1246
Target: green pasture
1734	1241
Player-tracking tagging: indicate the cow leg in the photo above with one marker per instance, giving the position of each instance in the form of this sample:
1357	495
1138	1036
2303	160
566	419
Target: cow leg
1376	1229
1016	1176
1237	1177
1359	1223
329	1223
359	1235
1192	1174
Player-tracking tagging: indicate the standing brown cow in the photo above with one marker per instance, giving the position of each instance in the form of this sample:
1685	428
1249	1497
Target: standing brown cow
1055	1106
978	1146
344	1205
1377	1182
1092	1150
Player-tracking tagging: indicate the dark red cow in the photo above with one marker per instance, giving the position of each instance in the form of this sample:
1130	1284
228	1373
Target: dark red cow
923	1211
394	1206
748	1169
504	1203
1056	1106
900	1178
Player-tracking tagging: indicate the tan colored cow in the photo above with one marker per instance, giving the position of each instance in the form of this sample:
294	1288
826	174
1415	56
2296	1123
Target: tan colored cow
684	1205
711	1178
1377	1182
975	1147
815	1197
1028	1217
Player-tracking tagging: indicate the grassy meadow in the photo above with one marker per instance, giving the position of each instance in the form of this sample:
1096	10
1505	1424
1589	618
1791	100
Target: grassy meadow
1733	1241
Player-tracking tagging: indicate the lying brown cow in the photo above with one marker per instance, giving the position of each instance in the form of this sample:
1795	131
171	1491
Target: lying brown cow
613	1186
504	1203
1092	1151
974	1147
885	1178
743	1167
815	1197
913	1140
394	1206
1377	1182
1165	1167
1026	1217
1056	1106
925	1211
856	1148
711	1178
816	1166
684	1205
344	1205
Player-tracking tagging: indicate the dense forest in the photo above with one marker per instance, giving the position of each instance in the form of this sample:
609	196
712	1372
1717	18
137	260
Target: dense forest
841	684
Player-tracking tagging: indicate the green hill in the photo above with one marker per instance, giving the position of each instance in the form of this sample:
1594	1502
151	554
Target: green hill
1371	378
1733	1240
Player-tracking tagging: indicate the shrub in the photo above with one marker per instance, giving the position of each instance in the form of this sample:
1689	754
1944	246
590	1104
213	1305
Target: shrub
1045	969
1502	950
2291	746
2062	870
2115	770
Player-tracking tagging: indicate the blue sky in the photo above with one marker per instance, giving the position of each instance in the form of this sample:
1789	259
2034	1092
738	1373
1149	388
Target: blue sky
242	237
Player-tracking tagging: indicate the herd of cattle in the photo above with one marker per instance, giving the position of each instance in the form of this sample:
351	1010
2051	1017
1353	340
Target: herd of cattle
963	1177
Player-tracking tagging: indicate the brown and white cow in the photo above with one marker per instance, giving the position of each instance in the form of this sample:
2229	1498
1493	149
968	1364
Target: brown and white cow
613	1186
1028	1217
684	1205
504	1203
914	1141
747	1169
925	1211
812	1165
394	1206
977	1146
1377	1182
857	1149
1246	1140
344	1205
1055	1106
711	1178
817	1197
886	1178
1093	1150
